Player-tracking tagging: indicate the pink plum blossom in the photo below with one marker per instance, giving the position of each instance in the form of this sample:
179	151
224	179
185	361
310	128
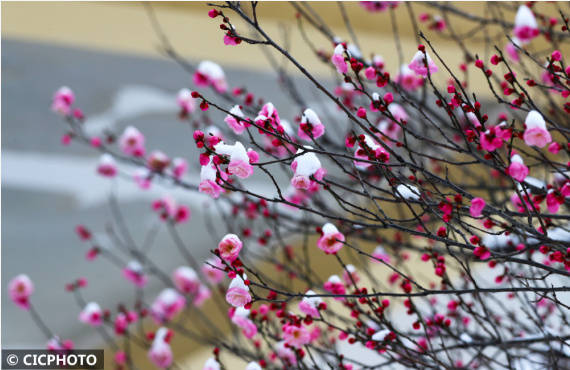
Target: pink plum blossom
63	99
477	205
240	318
56	344
526	27
229	247
419	61
134	273
211	364
157	161
204	293
186	280
350	275
239	160
213	270
167	305
408	79
512	51
310	126
285	353
210	74
208	181
238	293
338	59
369	152
107	166
160	353
304	166
517	169
185	101
132	142
295	335
238	125
309	305
380	254
179	167
493	137
536	133
334	285
20	288
91	315
332	240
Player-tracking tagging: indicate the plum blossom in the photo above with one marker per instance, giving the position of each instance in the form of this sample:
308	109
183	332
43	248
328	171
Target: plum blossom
134	273
268	117
350	275
381	335
238	292
310	126
186	280
185	101
179	167
494	136
63	99
208	180
20	288
204	293
132	142
211	364
160	353
310	305
229	247
213	270
167	305
240	318
304	166
157	161
91	314
334	285
373	151
237	125
380	254
517	169
338	59
419	61
107	166
477	206
526	27
210	74
332	240
408	79
285	353
239	159
56	344
536	133
295	335
511	49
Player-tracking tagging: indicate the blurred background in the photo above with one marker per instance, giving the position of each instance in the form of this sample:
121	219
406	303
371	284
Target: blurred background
109	54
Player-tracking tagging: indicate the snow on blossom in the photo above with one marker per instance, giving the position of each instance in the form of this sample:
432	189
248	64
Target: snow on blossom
332	240
419	62
408	79
517	169
210	74
134	273
239	160
107	166
350	275
132	142
91	314
185	101
240	318
334	285
208	180
167	305
62	101
238	292
381	335
253	366
373	151
160	353
380	254
304	166
526	27
536	133
238	125
338	59
309	305
310	126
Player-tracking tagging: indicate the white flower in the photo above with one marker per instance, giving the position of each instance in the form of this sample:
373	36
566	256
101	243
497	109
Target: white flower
408	191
